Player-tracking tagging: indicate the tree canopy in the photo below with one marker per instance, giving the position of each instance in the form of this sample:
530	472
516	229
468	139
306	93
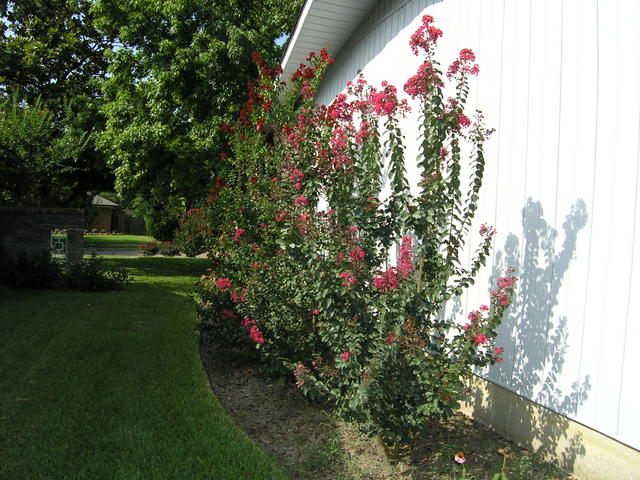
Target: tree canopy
50	49
52	59
177	74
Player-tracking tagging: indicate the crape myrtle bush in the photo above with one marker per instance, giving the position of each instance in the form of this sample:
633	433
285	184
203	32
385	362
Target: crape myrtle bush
300	266
193	231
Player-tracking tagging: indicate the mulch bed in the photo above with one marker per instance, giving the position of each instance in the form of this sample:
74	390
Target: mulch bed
310	444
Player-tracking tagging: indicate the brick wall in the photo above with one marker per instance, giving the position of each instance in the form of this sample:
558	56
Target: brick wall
27	230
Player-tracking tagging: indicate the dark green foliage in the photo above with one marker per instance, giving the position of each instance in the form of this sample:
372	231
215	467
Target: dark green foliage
179	73
52	58
192	232
45	159
92	275
45	272
150	248
50	49
160	220
37	272
169	249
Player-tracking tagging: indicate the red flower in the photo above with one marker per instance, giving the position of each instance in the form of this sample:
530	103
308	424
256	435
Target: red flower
422	82
498	350
345	356
296	175
235	298
237	236
391	338
480	339
300	373
301	200
256	334
386	281
315	312
356	255
224	284
348	279
463	65
406	257
281	215
247	322
425	37
463	120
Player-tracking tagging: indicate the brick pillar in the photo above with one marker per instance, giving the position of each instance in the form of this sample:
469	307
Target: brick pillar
75	246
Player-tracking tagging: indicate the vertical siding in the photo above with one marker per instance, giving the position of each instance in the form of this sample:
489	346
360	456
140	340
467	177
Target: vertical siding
560	83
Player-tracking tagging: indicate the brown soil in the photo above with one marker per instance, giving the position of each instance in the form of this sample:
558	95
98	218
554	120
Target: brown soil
310	444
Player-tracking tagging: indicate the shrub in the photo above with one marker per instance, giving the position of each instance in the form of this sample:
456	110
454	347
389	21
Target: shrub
169	249
302	267
44	272
161	222
92	275
192	232
150	249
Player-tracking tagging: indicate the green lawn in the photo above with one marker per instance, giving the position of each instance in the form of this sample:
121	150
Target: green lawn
115	241
110	385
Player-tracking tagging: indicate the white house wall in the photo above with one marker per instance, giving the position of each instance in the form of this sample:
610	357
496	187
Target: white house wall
560	82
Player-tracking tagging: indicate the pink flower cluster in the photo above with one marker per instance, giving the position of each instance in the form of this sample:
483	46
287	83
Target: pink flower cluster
340	109
227	315
306	90
480	339
425	37
301	200
224	284
348	279
502	294
487	230
237	236
239	298
405	268
423	81
388	280
300	374
356	255
345	356
463	65
254	332
363	132
385	102
281	215
303	221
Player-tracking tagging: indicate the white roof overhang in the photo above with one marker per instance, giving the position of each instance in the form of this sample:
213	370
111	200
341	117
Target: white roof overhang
323	24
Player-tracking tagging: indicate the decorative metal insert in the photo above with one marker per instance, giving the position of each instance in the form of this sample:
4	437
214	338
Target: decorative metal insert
58	243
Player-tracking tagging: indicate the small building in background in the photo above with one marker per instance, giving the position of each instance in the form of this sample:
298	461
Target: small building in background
105	211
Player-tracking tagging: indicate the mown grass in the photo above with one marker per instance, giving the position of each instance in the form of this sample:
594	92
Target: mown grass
110	385
115	241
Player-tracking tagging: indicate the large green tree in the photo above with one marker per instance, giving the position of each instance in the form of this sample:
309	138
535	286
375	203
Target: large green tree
179	71
52	59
